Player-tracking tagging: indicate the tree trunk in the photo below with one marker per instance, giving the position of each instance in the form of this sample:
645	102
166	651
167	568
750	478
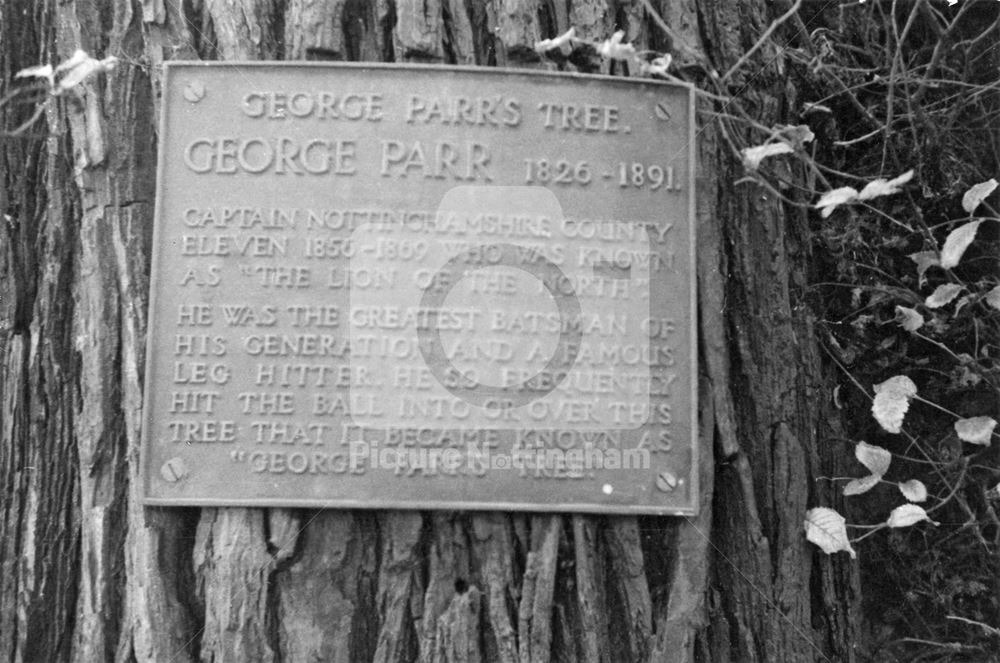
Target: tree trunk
89	574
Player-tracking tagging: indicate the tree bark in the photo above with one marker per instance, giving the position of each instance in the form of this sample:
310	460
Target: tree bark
88	574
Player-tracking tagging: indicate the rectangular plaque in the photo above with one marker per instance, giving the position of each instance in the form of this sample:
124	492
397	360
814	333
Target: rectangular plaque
416	287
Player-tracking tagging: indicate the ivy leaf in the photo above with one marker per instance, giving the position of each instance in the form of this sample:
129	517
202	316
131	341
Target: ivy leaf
862	485
752	156
892	400
830	200
909	318
881	187
942	295
924	260
828	530
957	242
914	490
976	430
906	515
977	193
876	459
993	297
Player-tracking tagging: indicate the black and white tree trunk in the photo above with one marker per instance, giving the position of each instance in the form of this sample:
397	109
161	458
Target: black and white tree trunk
88	574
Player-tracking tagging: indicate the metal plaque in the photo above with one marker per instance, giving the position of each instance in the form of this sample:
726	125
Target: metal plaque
416	287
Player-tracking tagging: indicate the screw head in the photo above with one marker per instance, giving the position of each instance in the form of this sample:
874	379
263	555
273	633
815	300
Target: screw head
666	481
662	111
194	91
174	470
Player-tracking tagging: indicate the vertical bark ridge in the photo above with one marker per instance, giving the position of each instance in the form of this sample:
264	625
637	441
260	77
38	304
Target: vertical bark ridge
447	579
631	624
399	586
320	611
233	568
314	27
493	546
594	643
419	36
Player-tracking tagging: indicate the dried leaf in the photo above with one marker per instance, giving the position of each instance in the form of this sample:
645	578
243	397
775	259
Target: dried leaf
657	66
876	459
41	71
977	193
976	430
942	295
830	200
797	135
924	260
906	515
614	49
914	490
892	400
909	318
828	530
752	156
993	297
809	107
79	57
563	42
78	68
881	187
862	485
957	242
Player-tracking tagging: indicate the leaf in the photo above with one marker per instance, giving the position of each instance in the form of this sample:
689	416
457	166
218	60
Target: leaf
914	490
797	135
976	430
752	156
862	485
809	107
977	193
657	66
563	42
993	297
828	530
897	383
80	67
892	400
924	260
41	71
942	295
876	459
830	200
909	318
614	49
881	187
906	515
957	242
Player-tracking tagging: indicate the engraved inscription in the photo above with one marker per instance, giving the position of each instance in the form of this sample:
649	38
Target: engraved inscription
421	288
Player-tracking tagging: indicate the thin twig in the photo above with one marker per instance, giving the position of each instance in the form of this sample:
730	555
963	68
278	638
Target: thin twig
760	42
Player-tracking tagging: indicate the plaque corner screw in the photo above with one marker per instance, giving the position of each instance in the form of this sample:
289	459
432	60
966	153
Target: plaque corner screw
666	481
174	470
194	91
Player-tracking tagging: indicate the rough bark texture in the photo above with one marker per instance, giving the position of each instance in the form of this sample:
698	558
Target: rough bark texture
88	574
